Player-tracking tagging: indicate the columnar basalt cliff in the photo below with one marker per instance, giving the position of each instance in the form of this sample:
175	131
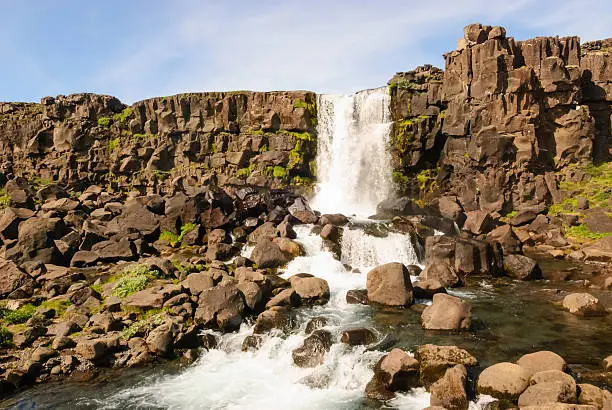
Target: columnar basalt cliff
156	145
502	119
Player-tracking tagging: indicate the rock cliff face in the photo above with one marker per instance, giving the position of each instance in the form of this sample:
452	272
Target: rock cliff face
157	145
503	117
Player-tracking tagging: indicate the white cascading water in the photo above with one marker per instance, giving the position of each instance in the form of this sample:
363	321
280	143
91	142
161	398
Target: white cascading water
353	165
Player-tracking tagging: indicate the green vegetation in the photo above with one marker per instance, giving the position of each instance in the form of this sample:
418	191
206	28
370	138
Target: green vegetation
582	231
113	144
124	115
59	305
257	132
214	148
399	178
427	180
279	172
175	240
104	122
311	108
296	155
150	319
597	189
403	84
5	200
40	182
246	172
21	315
6	337
135	278
511	214
302	181
264	148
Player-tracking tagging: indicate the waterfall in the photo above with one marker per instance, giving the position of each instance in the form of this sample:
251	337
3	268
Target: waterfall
353	163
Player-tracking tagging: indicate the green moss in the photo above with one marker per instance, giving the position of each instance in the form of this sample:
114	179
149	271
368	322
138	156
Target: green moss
400	178
264	148
185	229
39	182
268	171
113	144
427	180
310	107
511	214
597	189
124	115
104	122
214	148
6	337
5	200
97	288
257	132
583	232
568	205
21	315
280	172
59	305
246	172
302	181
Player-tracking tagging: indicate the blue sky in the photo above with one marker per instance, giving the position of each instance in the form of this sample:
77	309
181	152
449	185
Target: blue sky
135	49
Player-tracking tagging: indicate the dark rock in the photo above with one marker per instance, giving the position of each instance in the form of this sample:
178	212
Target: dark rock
358	336
521	267
357	296
221	306
315	323
312	352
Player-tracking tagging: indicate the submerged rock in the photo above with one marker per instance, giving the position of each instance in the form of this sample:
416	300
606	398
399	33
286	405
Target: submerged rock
312	351
447	313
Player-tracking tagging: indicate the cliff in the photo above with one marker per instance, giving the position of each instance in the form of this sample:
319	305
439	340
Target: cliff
500	125
159	144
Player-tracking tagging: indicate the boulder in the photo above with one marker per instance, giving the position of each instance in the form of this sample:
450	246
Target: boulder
277	317
478	222
542	361
313	291
358	336
267	254
440	272
286	297
427	288
447	313
521	267
11	278
390	285
160	339
594	396
221	306
312	352
434	360
198	282
449	391
506	381
91	349
583	304
315	323
397	370
548	387
505	236
357	296
253	294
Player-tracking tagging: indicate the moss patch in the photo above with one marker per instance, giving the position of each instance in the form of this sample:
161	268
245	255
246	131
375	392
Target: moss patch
583	232
104	122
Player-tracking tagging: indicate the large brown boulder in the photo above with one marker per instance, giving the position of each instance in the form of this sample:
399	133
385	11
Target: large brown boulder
583	304
311	290
447	313
268	254
521	267
503	381
221	306
434	360
12	278
395	371
441	272
390	285
449	391
594	396
542	361
548	387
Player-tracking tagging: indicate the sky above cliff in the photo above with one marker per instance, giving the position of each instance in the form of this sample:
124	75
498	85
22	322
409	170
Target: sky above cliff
135	49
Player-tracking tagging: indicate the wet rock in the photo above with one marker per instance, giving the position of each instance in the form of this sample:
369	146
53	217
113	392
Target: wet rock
447	313
312	352
289	247
376	390
358	336
278	317
315	323
583	304
449	391
252	343
395	371
285	230
221	306
333	219
427	288
390	285
312	291
331	233
521	267
504	381
357	296
542	361
434	360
